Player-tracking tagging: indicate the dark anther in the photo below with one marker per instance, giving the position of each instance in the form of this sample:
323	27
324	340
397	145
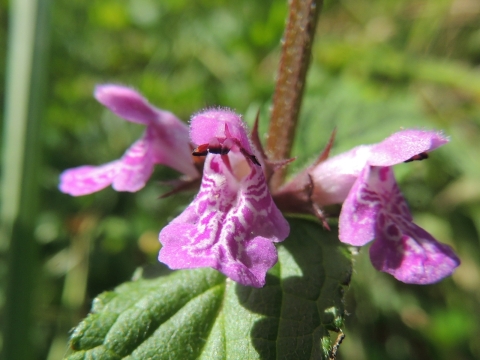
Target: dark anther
421	156
200	153
201	150
218	150
254	159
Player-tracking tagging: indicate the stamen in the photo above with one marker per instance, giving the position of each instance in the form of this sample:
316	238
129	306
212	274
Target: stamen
201	150
421	156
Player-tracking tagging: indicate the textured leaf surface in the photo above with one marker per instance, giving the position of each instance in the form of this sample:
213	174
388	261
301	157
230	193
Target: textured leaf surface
199	314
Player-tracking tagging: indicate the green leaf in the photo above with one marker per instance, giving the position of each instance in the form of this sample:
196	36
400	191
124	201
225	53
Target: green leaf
193	314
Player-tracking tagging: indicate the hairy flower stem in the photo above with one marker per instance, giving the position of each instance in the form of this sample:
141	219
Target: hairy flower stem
294	62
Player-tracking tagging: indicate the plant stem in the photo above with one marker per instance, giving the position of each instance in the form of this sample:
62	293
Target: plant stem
24	99
294	62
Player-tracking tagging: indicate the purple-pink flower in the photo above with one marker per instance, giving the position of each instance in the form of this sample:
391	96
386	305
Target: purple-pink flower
165	141
374	208
233	222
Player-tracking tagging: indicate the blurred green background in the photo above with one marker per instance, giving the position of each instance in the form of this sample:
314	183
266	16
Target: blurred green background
377	66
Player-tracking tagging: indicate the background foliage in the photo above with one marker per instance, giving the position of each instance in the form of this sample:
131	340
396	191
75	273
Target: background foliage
377	66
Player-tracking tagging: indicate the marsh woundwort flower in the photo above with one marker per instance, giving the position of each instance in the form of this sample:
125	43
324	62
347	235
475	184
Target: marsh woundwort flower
165	141
232	224
373	207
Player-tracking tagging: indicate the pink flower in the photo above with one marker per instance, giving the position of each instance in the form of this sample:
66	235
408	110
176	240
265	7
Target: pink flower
374	208
232	223
165	141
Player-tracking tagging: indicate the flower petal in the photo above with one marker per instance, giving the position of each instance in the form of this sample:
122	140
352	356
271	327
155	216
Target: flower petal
359	211
170	144
230	226
403	145
375	208
88	179
126	103
333	178
136	166
211	124
411	254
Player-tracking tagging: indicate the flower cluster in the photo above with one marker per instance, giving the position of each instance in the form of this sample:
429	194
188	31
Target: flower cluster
233	222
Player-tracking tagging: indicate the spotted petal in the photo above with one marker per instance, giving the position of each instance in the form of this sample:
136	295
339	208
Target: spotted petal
230	226
375	208
411	254
359	212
